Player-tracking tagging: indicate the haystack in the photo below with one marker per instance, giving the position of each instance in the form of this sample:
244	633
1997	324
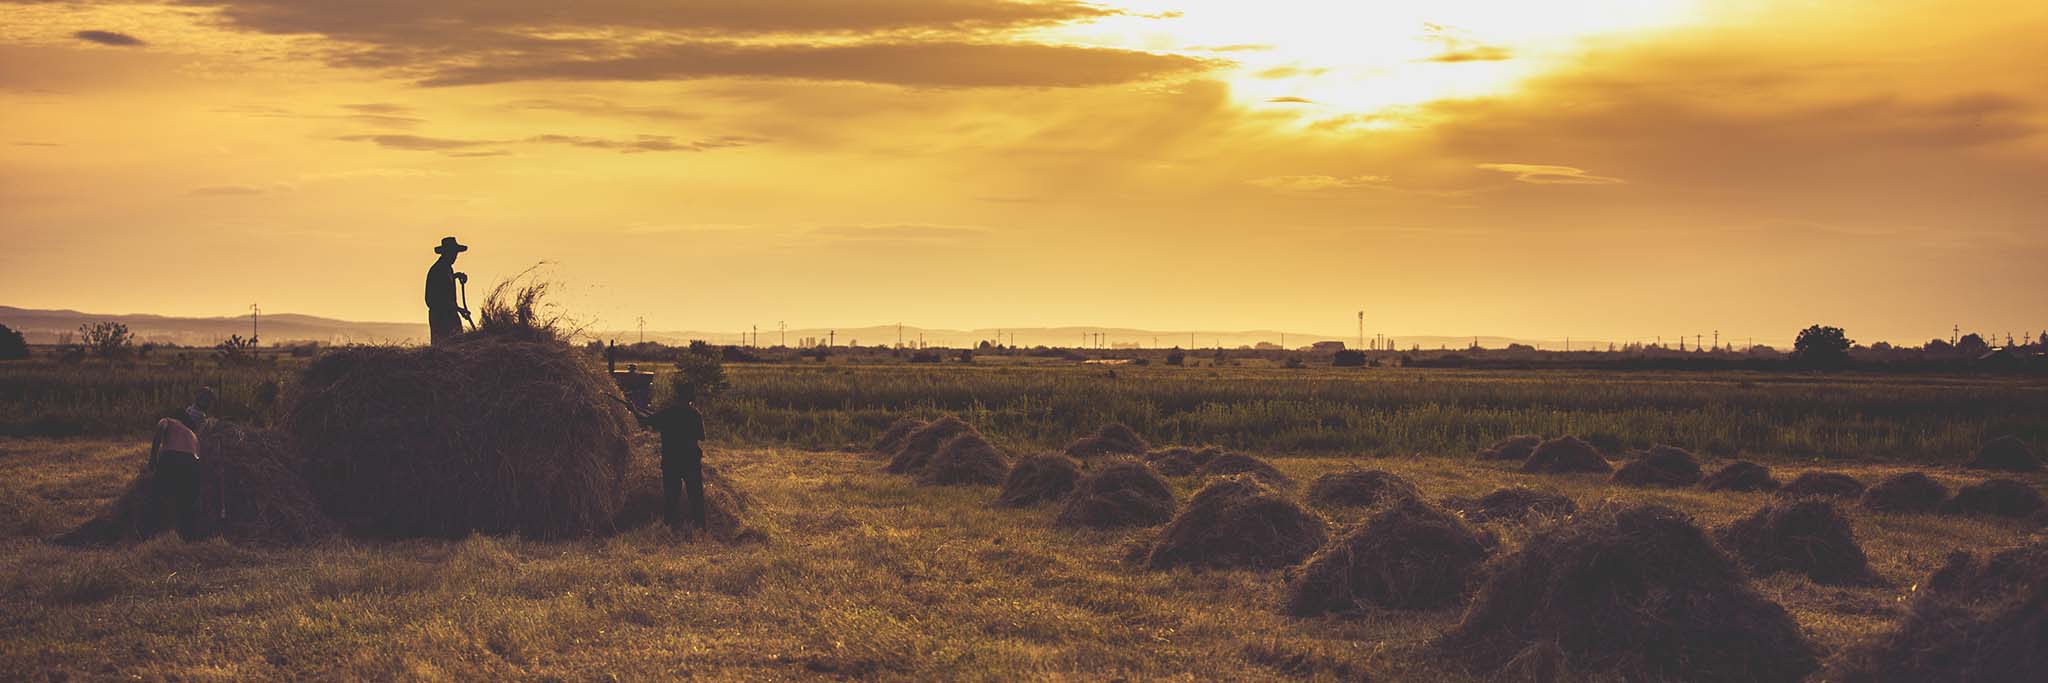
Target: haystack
1360	488
1229	464
1996	498
1807	536
1905	492
1181	461
250	492
1516	448
1565	454
1633	593
725	505
1119	493
965	459
1661	465
1741	475
924	442
1238	521
1410	556
896	435
1976	622
1513	504
1037	479
1111	439
1831	484
2006	453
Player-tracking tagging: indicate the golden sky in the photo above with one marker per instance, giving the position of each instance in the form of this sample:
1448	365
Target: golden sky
1600	169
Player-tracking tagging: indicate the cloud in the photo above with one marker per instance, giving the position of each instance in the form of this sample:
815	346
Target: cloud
909	64
598	106
398	21
1480	53
416	143
379	108
1316	183
1290	100
233	190
1544	174
376	114
109	38
461	147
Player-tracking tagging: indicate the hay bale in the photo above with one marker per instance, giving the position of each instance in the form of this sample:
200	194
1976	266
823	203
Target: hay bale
250	491
896	435
1037	479
1111	439
1410	556
1905	492
1512	504
1661	465
485	434
1996	498
1121	493
1632	593
1977	622
1238	521
1516	448
1181	461
1807	536
726	517
1565	454
1232	464
1741	475
1360	488
1831	484
2006	453
965	459
923	443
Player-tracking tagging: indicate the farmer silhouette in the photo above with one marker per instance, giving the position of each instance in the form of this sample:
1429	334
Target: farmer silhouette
682	458
174	468
444	315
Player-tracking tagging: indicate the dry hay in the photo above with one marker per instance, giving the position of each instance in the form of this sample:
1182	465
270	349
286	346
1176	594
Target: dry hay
1997	498
1181	461
1741	475
725	504
965	459
1410	556
1361	488
1229	464
1238	521
1120	493
1661	465
1513	504
1516	448
896	435
2006	453
1037	479
1807	536
1833	484
1905	492
1977	622
250	491
923	443
1565	454
485	434
1635	593
1111	439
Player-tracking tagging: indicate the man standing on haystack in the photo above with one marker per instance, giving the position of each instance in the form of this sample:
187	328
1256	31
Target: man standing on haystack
444	315
174	467
682	456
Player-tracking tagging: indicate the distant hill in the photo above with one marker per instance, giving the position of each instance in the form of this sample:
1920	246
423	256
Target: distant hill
46	327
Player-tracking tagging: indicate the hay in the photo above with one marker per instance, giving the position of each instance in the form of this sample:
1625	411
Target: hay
1741	475
1633	593
1111	439
250	492
2006	453
1121	493
1037	479
1565	454
1230	464
1516	448
923	443
1360	488
896	435
1513	504
1181	461
1832	484
1996	498
967	459
1905	492
1411	556
1977	622
1807	536
1664	466
1238	521
726	518
485	434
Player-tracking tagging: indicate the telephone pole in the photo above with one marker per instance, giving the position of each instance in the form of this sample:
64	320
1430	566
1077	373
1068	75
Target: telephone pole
782	329
254	313
1361	328
643	329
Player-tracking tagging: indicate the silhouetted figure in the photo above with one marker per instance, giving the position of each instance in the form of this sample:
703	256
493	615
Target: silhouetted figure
174	468
444	315
682	457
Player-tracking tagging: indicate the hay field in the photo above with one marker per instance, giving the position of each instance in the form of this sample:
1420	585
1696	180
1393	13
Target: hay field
863	574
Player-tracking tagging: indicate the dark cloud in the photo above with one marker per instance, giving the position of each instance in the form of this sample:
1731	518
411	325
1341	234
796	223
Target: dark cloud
908	64
417	143
109	38
468	147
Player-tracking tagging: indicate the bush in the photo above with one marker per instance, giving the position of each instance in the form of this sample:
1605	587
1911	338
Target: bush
12	345
702	369
108	340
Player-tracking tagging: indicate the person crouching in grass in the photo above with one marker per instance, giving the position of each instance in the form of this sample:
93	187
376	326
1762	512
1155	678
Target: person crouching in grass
682	456
174	468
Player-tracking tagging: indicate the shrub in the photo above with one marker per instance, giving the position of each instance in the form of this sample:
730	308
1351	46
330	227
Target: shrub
12	345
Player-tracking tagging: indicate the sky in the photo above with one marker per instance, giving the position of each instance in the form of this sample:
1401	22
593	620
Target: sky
1600	169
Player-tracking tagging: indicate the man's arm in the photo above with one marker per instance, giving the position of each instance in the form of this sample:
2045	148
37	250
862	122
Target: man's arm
156	444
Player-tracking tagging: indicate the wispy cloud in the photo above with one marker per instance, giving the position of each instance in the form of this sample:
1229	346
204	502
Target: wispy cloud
113	38
1318	183
1546	174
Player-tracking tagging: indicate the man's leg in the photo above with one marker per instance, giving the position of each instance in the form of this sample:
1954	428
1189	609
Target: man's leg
671	489
694	476
188	501
162	502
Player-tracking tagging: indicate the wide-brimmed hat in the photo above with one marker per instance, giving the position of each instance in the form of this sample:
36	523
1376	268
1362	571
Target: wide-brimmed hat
450	246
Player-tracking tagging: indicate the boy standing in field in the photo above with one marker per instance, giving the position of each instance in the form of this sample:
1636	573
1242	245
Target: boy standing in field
174	465
682	457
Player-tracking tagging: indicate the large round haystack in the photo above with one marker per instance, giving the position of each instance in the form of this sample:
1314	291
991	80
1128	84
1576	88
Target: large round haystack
1037	479
1977	622
485	434
1229	464
1516	448
1513	504
1360	488
2006	453
250	492
1741	475
1832	484
1118	493
1996	498
896	435
1238	521
725	504
923	443
1631	593
1905	492
1410	556
1181	461
1111	439
1807	536
1565	454
967	459
1661	465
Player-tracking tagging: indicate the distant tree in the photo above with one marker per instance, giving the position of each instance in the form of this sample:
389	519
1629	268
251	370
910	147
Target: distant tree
703	369
12	345
2043	343
235	351
1972	345
107	340
1821	345
1939	346
1881	347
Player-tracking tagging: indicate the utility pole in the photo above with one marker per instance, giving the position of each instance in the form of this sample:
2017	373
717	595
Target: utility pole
782	328
1361	328
254	313
1717	340
757	335
831	339
899	335
643	329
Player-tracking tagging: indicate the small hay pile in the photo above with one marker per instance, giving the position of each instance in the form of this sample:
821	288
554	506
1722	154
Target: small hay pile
1360	488
1565	454
1111	439
1832	484
1513	504
1661	465
1977	622
1410	556
896	435
967	459
725	504
1906	492
1121	493
1181	461
1807	536
250	492
1231	464
1629	593
1741	475
1996	498
1037	479
1516	448
2006	453
923	443
1238	521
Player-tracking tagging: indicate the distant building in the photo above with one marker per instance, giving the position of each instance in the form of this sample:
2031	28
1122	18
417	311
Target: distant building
1326	346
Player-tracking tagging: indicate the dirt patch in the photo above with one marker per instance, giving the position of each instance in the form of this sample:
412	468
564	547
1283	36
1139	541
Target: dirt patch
925	442
1111	439
1996	498
1741	475
1238	521
1181	461
1229	464
1360	488
1512	504
1807	536
1038	479
2008	454
1410	556
1828	484
967	459
1906	492
1977	621
1661	465
1565	454
1119	493
1516	448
